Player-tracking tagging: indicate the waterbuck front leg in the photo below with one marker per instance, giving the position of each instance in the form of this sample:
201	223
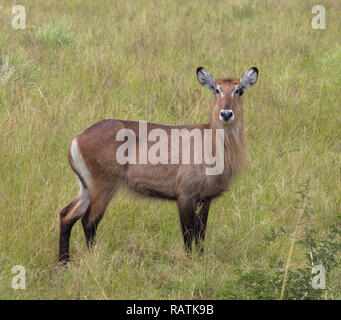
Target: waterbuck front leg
201	222
186	213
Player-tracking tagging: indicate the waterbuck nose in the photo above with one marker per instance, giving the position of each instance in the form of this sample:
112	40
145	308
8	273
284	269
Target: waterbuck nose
226	115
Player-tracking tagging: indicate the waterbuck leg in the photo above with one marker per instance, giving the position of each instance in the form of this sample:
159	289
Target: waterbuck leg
90	228
186	214
101	197
200	224
68	217
90	224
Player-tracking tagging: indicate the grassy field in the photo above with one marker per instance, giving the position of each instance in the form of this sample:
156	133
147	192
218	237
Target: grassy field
78	62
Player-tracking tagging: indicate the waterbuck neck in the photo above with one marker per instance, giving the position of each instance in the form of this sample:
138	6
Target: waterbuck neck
234	146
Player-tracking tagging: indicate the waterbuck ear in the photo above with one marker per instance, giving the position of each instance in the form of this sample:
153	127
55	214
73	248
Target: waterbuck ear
248	80
206	79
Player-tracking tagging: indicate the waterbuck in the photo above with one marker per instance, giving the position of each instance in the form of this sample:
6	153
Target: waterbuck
148	162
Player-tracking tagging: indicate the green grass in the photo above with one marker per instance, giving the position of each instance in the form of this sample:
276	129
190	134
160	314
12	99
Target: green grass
79	62
54	35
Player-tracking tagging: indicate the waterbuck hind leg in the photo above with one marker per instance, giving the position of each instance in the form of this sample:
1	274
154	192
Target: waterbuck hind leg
68	217
101	197
90	223
89	228
186	214
200	224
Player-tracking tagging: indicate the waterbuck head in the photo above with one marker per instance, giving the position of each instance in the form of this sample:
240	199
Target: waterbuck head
227	107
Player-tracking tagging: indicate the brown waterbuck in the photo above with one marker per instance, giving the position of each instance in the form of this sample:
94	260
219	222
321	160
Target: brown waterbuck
148	162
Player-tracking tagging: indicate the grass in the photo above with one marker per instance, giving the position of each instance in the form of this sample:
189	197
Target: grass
13	70
79	62
54	35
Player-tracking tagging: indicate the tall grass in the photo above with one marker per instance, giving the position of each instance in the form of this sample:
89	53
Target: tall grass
79	62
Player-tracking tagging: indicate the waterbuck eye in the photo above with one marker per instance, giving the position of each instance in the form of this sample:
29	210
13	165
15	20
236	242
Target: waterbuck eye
238	91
